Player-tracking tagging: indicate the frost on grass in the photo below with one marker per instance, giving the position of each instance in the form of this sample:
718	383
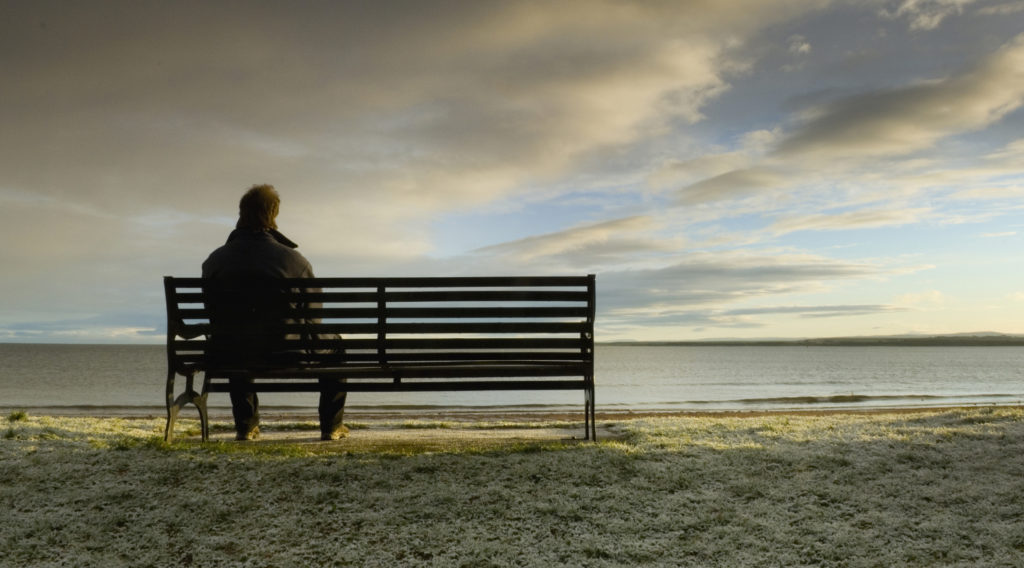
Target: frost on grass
914	489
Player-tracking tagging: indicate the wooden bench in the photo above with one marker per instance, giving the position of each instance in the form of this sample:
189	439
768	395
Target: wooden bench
400	335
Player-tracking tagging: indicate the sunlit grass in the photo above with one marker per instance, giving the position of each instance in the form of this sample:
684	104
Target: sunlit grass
893	489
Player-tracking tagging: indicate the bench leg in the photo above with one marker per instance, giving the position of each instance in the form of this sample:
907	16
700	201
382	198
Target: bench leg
590	418
586	414
204	417
175	404
172	415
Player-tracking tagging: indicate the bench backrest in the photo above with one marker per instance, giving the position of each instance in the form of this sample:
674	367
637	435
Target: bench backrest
385	321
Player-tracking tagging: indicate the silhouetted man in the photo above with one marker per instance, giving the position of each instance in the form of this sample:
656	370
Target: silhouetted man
256	255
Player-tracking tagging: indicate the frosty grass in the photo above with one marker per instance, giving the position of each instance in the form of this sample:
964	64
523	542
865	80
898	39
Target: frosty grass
938	488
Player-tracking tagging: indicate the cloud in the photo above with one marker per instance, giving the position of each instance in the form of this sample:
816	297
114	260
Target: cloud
700	279
927	14
689	171
818	311
368	120
732	185
108	328
499	90
798	45
900	121
615	242
867	155
1004	9
699	290
130	132
858	219
664	284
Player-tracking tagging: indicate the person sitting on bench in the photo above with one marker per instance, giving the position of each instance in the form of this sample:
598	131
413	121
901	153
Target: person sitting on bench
257	254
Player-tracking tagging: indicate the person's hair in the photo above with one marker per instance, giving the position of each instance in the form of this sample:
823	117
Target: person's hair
257	210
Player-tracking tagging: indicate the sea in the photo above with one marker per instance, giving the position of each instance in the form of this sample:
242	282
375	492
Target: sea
130	380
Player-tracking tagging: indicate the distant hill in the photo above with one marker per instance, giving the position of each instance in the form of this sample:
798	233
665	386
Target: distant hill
952	340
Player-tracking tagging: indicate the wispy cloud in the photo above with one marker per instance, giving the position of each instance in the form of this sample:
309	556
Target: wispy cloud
900	121
609	242
927	14
818	311
699	288
138	327
1002	9
733	184
798	45
858	219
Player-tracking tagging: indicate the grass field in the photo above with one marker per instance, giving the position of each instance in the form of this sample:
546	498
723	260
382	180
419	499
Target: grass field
934	488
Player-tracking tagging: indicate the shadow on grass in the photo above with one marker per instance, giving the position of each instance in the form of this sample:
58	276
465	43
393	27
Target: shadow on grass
398	438
298	438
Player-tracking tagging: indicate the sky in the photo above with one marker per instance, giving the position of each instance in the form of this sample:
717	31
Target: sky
727	169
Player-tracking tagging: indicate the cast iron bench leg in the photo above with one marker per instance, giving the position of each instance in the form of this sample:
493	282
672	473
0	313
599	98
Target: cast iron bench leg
172	408
174	405
590	418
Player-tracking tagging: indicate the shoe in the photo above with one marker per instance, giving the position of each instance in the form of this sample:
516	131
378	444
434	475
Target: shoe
248	436
339	433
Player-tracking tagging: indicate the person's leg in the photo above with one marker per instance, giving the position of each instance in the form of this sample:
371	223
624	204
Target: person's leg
332	409
245	409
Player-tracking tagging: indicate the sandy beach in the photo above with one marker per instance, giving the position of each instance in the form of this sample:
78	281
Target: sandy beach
921	487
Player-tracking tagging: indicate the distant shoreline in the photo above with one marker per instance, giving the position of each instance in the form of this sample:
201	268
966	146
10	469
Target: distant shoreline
881	341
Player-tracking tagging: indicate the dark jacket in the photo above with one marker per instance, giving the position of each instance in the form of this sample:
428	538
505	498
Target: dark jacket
263	253
246	297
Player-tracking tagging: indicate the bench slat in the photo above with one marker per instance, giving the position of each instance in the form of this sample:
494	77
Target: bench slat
445	327
366	297
482	356
443	312
496	370
422	296
432	386
418	313
440	359
426	343
417	328
445	282
420	282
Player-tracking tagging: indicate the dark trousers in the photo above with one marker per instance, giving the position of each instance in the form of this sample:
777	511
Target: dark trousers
332	405
245	406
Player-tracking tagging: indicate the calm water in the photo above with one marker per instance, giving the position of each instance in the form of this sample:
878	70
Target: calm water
131	379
